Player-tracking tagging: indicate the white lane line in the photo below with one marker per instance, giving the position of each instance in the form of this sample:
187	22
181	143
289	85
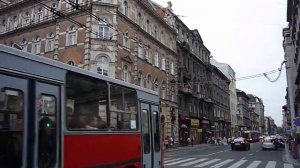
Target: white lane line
271	164
287	165
166	161
238	164
222	163
193	162
207	163
257	151
251	154
242	158
254	164
180	161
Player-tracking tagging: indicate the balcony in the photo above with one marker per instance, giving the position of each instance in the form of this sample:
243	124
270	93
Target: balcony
200	96
185	88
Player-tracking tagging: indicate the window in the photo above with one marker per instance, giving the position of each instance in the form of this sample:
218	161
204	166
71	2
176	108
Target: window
125	73
71	36
172	68
102	65
156	63
141	51
139	20
12	126
26	19
3	26
123	108
87	103
39	15
14	23
126	41
147	26
71	63
155	32
156	118
24	45
163	64
125	8
149	82
50	42
103	32
146	127
36	45
156	85
54	7
163	90
140	79
146	52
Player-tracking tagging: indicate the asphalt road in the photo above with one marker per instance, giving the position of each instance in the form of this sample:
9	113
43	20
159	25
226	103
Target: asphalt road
222	157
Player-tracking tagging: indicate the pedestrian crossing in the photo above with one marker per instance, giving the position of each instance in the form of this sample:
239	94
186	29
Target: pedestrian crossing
226	163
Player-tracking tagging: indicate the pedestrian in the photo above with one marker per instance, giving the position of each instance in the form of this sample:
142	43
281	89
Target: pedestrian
192	141
189	140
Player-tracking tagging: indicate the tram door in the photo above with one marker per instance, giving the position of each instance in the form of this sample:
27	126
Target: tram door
47	110
150	136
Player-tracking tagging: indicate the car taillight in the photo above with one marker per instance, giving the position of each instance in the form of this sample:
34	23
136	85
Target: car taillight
242	142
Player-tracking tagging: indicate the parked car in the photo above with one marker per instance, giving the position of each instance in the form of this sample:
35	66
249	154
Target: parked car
240	143
269	143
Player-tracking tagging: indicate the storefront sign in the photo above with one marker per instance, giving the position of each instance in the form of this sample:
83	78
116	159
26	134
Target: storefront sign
195	122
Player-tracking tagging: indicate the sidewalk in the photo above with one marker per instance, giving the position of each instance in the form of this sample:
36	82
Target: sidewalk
288	157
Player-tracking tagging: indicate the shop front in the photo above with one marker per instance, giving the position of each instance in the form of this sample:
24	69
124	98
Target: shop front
195	130
184	129
206	131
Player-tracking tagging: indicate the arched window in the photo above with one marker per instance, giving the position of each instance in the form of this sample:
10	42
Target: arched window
50	42
39	15
13	23
71	63
149	82
147	26
36	45
102	65
26	19
125	74
71	36
103	32
24	45
156	85
54	6
125	8
140	78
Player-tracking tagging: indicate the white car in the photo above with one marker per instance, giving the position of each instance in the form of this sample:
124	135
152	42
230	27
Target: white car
268	143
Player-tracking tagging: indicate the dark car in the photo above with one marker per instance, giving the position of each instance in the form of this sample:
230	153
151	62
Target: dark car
240	143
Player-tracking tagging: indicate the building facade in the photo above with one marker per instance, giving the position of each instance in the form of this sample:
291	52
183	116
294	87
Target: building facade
230	74
243	111
257	113
127	40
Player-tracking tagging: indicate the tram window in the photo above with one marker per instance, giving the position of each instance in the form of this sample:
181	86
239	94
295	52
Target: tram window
11	127
47	130
123	111
146	131
156	131
86	103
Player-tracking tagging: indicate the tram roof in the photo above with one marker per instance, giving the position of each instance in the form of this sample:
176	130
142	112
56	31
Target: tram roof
68	67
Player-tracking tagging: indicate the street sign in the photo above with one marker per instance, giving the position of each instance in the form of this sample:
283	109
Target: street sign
297	121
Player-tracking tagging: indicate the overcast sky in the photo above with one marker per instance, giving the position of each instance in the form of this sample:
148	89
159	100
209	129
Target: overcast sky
247	34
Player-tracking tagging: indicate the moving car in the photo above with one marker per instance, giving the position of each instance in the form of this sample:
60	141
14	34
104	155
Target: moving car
240	143
269	143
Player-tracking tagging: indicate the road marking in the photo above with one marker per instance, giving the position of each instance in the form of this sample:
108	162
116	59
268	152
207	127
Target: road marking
238	164
166	161
286	165
222	163
242	158
257	151
271	164
212	153
254	164
207	163
194	162
180	161
251	154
